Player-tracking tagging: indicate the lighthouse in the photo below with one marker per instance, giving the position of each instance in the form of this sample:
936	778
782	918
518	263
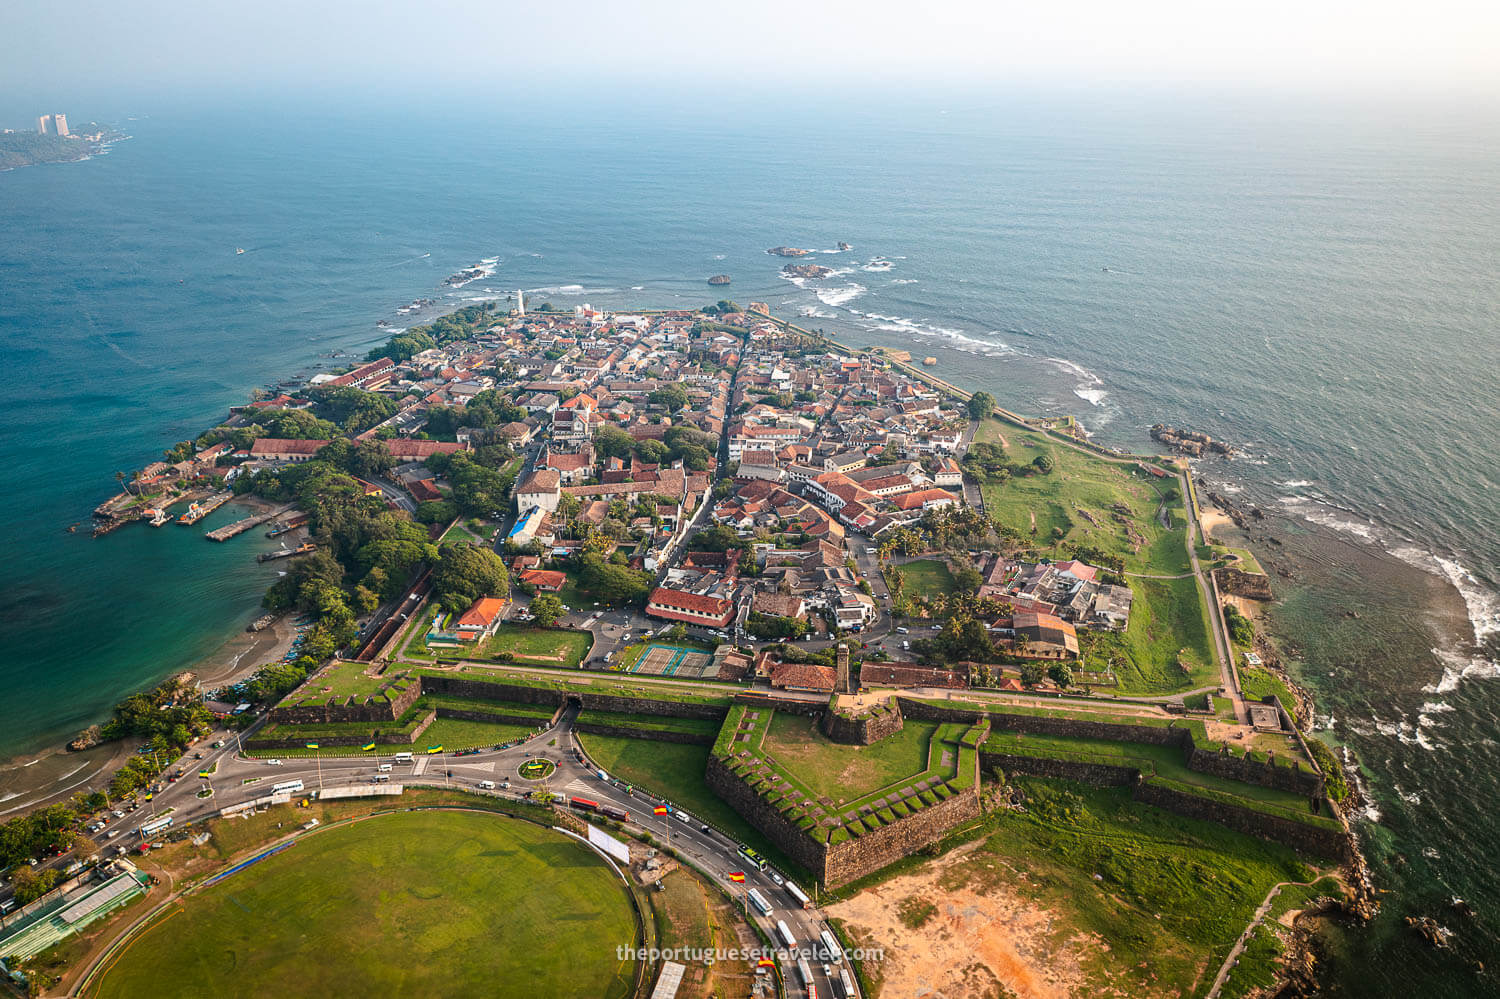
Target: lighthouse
520	302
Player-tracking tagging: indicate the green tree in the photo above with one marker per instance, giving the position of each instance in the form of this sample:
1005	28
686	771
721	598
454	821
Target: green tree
612	442
1043	463
981	405
464	573
1032	674
671	396
1061	674
547	608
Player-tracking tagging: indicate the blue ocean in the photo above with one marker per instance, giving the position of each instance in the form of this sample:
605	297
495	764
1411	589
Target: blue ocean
1315	284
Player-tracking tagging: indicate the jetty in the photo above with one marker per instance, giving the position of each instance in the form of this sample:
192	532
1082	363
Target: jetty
198	511
290	524
302	549
238	527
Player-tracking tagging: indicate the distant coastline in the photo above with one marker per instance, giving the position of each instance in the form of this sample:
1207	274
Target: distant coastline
23	149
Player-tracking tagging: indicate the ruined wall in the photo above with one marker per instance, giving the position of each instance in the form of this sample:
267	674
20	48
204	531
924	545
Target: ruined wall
1250	585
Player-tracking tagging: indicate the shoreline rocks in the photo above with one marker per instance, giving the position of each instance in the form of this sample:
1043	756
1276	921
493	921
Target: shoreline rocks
719	279
1190	442
787	251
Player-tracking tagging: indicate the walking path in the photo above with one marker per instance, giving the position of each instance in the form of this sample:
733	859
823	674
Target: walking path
1239	945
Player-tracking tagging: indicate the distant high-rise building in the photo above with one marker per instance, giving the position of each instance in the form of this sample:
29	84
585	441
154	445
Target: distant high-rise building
44	125
60	123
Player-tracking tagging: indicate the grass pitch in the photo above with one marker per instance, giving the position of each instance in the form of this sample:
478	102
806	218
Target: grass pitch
432	903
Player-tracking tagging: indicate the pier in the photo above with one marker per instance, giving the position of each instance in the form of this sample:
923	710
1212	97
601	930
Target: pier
238	527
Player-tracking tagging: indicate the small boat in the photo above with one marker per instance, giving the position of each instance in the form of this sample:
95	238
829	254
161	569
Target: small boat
238	250
160	517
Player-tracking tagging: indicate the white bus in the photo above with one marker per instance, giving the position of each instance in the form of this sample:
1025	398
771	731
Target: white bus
786	934
804	972
156	825
835	952
287	786
759	901
402	757
797	893
380	779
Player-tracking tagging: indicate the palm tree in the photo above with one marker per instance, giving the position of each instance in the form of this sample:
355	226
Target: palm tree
120	478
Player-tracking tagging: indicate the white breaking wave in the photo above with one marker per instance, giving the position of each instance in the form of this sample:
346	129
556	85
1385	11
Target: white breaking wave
812	311
1312	510
1297	484
839	296
958	339
571	289
878	265
903	280
1094	397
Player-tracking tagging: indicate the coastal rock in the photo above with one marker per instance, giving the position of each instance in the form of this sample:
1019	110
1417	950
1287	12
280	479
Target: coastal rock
787	251
719	279
1190	442
1428	929
807	270
844	247
87	739
465	276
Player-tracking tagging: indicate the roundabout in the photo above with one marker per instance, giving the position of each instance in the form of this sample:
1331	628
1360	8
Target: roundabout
536	769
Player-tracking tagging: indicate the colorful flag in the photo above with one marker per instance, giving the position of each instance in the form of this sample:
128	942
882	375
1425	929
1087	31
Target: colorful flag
368	746
434	749
662	809
765	962
736	876
312	745
205	773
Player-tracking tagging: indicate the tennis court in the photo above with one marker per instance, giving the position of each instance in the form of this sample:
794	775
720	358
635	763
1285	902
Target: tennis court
657	659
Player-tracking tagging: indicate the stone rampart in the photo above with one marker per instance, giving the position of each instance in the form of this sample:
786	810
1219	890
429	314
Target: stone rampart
651	734
862	728
866	854
1324	841
764	816
1098	774
385	706
483	690
388	738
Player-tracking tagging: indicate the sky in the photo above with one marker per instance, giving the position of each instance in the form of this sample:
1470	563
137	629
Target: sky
503	48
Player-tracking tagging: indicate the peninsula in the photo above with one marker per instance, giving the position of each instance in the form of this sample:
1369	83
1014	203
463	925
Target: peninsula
760	609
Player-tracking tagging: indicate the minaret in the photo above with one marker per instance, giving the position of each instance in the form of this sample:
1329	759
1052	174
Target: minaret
520	302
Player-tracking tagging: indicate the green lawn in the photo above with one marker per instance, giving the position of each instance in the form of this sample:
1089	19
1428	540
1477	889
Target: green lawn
432	903
840	772
675	771
341	680
456	733
1256	682
537	646
926	578
1165	647
1090	484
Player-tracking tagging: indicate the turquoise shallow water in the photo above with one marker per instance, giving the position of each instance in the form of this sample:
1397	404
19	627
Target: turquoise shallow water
1316	285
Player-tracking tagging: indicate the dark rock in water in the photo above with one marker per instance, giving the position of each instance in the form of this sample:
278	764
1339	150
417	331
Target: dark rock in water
1190	442
718	279
1428	929
787	251
844	247
87	739
807	270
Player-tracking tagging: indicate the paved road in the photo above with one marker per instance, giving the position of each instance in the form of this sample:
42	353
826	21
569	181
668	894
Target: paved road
713	852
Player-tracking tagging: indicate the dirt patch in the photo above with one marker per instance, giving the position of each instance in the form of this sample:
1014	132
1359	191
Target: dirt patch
981	934
1210	519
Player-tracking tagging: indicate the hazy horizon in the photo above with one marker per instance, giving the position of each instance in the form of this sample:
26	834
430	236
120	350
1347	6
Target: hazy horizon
458	50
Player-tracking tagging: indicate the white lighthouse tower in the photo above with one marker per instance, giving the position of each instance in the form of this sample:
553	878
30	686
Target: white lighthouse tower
520	302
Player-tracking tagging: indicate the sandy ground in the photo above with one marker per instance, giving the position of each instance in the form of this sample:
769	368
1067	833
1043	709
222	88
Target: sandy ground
974	940
246	652
1212	519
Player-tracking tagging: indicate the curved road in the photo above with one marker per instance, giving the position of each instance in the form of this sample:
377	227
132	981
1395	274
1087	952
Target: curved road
238	779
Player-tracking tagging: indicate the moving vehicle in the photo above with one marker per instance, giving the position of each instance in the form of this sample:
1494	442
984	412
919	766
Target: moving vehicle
155	826
486	785
776	879
804	972
798	894
835	952
287	786
380	779
385	768
751	857
785	934
759	901
402	757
